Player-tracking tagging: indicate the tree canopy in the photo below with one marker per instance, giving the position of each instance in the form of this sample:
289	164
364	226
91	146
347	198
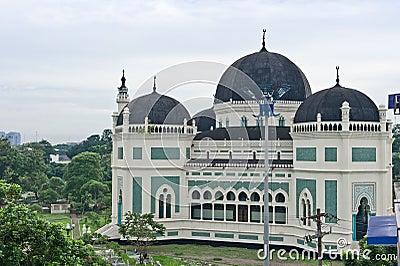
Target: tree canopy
142	229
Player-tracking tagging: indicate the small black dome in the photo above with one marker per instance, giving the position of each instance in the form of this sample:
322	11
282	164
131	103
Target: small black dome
204	119
328	103
269	71
160	109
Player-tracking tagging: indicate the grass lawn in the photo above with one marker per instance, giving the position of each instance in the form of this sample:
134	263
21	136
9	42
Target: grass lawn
57	218
191	253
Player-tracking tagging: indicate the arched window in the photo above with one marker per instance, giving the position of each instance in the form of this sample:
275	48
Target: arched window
280	198
207	195
244	121
281	121
255	197
195	195
168	206
227	122
242	196
280	209
362	218
161	206
230	196
305	206
219	195
220	123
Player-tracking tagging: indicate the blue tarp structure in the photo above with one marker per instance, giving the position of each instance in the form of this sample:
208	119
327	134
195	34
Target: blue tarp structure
382	230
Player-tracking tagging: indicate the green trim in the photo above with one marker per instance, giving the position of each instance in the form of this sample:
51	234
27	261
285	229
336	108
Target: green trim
248	237
331	247
187	153
224	151
173	233
237	151
363	154
301	184
137	153
330	154
306	154
137	194
201	234
300	241
158	181
331	199
276	238
221	235
120	153
311	244
165	153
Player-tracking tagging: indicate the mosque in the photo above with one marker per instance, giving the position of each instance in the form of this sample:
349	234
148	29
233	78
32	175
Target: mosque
202	176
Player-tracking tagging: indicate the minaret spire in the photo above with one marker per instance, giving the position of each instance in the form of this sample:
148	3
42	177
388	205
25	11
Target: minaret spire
154	84
263	40
122	96
337	75
123	79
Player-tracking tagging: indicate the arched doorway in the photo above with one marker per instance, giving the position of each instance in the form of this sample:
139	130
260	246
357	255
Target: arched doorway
362	218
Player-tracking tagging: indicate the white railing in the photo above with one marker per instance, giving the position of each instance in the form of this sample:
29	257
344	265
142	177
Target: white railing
332	126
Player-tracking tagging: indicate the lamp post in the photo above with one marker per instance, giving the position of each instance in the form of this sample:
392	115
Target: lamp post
73	227
265	111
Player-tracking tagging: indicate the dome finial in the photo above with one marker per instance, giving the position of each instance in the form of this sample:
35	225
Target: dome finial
123	79
154	84
337	75
263	42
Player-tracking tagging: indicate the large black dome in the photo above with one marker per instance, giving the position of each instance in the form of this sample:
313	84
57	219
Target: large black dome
269	71
329	101
204	119
160	109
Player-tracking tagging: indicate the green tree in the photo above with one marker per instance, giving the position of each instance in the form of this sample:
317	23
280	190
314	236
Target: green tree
142	229
9	192
56	184
48	196
10	159
97	190
82	168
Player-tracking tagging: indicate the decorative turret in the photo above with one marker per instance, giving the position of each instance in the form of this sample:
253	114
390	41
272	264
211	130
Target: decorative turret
122	96
345	114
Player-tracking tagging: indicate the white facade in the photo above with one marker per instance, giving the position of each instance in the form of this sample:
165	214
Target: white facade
210	187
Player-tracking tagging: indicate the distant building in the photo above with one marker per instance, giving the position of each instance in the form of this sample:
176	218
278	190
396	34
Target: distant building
59	158
13	137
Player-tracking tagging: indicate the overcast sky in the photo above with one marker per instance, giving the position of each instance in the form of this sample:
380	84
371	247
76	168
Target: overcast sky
61	61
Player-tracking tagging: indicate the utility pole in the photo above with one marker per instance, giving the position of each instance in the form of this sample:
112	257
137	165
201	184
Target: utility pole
319	234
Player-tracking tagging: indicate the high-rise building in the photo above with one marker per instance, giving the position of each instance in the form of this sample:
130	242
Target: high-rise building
14	138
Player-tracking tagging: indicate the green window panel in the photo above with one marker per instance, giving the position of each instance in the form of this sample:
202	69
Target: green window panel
300	241
201	234
230	174
221	235
363	154
137	153
188	153
162	153
137	195
248	237
330	154
120	153
207	173
306	154
196	173
218	173
174	233
331	199
276	238
311	244
279	175
223	151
